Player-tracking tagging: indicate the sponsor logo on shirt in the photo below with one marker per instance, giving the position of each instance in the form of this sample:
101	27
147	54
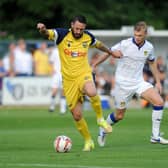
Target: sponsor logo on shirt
74	53
84	44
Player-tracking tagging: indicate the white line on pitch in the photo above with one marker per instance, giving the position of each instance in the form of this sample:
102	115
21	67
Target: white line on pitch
51	165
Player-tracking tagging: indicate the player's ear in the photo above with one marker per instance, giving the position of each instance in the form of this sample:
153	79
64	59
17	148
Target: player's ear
72	24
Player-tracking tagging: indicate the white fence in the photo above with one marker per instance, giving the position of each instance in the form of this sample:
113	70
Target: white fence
33	91
26	91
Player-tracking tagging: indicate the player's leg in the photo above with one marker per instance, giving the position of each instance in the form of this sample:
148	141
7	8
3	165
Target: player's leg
82	127
63	104
63	100
122	97
54	86
115	117
90	90
52	100
74	99
156	100
112	119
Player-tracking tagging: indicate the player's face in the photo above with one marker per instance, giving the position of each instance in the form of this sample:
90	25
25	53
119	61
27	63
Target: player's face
77	29
139	36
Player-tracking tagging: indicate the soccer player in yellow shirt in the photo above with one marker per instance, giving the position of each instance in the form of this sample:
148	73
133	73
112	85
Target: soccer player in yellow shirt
73	45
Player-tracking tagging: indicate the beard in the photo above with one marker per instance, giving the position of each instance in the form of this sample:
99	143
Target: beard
76	35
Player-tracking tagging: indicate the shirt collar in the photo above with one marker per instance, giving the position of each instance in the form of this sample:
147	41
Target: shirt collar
139	46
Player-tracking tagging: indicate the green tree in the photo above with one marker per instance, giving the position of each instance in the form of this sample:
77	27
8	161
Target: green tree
19	17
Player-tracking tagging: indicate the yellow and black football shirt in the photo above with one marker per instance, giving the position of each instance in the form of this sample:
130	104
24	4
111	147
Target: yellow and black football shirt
73	52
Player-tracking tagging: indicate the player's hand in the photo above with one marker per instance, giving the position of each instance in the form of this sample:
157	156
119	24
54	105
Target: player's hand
116	54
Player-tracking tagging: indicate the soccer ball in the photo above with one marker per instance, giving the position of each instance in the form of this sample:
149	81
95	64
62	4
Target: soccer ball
62	144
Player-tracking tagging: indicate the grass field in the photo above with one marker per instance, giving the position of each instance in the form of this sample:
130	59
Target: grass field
27	135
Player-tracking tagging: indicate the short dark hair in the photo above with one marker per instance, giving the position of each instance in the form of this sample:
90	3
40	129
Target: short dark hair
80	18
140	25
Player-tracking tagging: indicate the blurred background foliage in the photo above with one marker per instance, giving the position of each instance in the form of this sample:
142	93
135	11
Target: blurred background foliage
18	18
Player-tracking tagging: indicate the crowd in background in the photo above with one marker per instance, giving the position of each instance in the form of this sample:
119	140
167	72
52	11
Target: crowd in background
18	61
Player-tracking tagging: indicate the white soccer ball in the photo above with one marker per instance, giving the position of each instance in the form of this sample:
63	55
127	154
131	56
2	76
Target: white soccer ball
62	144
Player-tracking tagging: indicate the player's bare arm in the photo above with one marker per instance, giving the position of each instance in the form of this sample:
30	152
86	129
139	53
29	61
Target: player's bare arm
155	73
102	47
101	59
42	29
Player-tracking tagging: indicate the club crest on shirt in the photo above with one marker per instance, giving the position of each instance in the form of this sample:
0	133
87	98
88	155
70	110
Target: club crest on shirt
69	43
122	104
145	53
86	77
84	44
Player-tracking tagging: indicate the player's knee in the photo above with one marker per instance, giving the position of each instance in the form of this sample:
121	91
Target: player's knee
159	102
92	93
76	115
119	116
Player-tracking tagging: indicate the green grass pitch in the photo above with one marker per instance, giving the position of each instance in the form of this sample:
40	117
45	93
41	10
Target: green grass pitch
27	135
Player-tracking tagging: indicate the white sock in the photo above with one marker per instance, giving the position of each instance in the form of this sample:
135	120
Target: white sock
156	120
101	131
111	119
52	102
62	105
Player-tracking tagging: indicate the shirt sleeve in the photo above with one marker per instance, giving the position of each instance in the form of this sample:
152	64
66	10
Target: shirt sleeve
151	55
116	47
94	41
53	35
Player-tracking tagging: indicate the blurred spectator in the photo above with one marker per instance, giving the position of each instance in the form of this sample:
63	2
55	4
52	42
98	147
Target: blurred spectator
56	82
161	68
96	75
41	61
94	57
23	61
111	71
2	72
149	77
103	79
148	74
2	75
112	66
107	83
162	74
166	101
8	60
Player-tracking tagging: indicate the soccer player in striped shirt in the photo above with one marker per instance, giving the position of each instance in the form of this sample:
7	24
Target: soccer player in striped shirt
73	45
